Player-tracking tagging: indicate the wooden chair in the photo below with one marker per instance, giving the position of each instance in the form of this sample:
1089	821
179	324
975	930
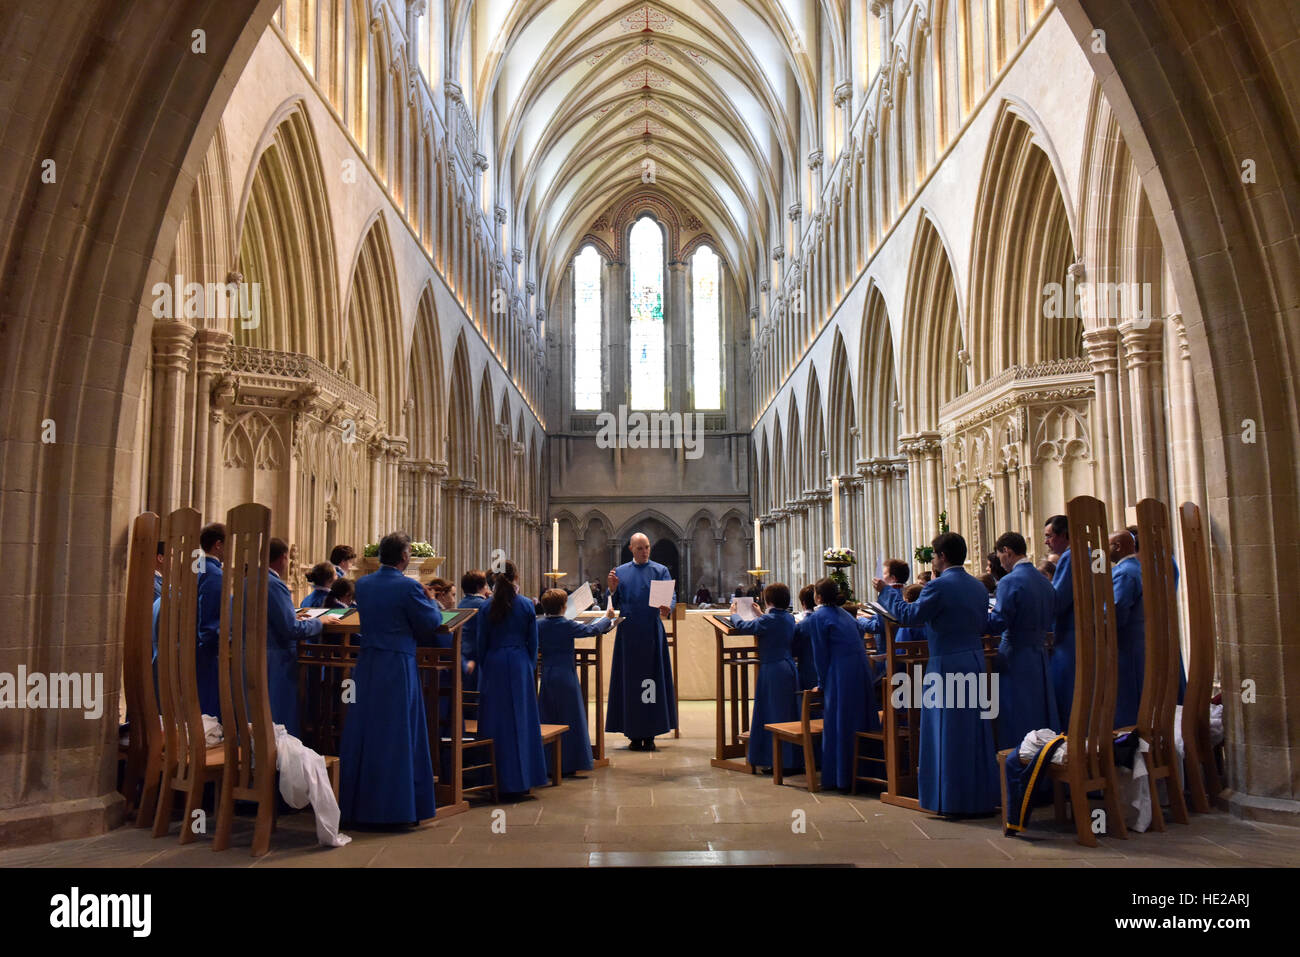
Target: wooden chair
1090	758
471	742
552	737
1155	719
860	757
143	751
1201	771
670	633
187	762
250	753
799	732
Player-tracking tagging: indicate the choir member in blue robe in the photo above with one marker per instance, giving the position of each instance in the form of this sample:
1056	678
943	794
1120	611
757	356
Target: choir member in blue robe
212	539
157	606
283	632
844	676
1130	627
1056	537
875	626
956	760
1182	671
159	560
342	558
386	774
1023	614
776	689
473	585
559	696
507	704
322	578
342	594
637	709
801	647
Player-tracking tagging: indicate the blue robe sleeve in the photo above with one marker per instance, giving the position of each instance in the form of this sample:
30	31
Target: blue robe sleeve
910	614
589	629
1002	615
1128	592
281	621
744	627
423	614
532	639
1064	586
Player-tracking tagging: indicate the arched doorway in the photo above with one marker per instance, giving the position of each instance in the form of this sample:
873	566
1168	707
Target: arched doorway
663	547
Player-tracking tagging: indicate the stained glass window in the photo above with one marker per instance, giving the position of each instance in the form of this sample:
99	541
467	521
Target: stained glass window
646	340
708	338
586	329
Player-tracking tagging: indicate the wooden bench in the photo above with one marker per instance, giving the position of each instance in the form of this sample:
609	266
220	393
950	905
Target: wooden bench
552	735
799	732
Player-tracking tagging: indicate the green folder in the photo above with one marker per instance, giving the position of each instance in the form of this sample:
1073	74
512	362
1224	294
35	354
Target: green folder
448	616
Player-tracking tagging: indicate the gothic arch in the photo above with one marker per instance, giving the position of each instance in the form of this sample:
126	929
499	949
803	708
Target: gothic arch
374	324
932	332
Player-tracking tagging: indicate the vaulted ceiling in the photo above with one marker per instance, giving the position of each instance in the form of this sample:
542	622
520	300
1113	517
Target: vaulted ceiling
718	96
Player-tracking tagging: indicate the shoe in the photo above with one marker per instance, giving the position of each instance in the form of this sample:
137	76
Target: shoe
649	744
635	745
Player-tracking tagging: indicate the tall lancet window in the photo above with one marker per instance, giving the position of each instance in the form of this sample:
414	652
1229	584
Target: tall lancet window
586	329
708	337
646	340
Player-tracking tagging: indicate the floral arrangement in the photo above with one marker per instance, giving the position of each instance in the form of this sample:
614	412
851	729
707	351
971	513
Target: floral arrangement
371	550
839	556
422	550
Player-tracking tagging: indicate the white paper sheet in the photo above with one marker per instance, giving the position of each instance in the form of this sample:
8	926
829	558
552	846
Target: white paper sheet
661	593
579	601
311	612
745	609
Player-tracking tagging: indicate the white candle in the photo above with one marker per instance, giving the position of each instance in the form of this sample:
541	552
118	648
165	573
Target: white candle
835	511
555	544
758	551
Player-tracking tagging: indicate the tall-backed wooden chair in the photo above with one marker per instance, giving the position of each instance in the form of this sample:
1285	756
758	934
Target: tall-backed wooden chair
1155	721
1201	770
143	755
470	741
187	762
1090	759
672	628
250	754
802	733
862	740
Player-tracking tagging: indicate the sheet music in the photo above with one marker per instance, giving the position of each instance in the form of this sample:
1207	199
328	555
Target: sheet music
579	601
311	612
882	611
661	593
745	609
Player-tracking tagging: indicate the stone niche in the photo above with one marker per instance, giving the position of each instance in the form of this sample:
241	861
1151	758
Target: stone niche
1015	449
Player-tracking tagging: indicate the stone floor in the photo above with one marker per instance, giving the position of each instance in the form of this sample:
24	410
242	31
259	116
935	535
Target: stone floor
671	807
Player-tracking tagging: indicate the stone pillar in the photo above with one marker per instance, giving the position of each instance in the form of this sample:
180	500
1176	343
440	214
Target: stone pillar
211	346
1143	341
614	293
717	564
678	330
1101	347
172	344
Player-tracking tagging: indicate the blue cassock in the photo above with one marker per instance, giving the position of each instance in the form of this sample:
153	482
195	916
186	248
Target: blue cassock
957	772
640	655
776	690
559	697
316	599
209	627
1130	628
283	632
157	606
1024	613
469	641
803	652
507	703
1062	661
386	772
848	692
157	585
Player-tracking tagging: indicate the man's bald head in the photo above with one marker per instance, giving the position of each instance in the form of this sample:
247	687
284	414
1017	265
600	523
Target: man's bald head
639	544
1121	546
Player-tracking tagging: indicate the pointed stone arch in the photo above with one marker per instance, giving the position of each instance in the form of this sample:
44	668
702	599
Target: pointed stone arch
374	323
932	332
286	245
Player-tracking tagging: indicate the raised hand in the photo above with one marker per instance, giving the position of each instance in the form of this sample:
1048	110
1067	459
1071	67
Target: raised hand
879	584
612	581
